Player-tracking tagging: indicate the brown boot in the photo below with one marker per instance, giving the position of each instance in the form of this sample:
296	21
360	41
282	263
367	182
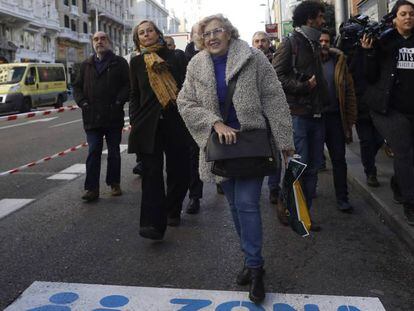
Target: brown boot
282	213
90	195
116	190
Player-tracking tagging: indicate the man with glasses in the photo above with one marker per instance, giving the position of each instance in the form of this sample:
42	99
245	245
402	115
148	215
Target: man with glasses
101	90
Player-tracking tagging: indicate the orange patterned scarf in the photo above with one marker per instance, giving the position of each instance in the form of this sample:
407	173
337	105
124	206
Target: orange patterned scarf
161	80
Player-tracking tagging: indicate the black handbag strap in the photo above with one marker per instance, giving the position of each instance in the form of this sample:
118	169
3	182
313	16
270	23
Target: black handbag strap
229	97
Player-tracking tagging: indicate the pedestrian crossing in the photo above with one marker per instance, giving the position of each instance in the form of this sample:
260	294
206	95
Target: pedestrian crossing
8	206
44	296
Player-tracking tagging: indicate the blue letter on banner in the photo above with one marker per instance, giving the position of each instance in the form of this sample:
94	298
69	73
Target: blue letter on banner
191	304
228	306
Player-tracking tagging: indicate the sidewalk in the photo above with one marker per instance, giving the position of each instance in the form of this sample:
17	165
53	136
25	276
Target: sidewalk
381	198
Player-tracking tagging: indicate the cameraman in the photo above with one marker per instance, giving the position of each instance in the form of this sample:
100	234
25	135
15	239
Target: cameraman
390	72
370	141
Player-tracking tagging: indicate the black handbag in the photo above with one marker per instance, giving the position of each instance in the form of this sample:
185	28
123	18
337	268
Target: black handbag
250	157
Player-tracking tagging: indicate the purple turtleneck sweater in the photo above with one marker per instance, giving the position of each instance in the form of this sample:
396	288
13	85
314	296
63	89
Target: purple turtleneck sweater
220	73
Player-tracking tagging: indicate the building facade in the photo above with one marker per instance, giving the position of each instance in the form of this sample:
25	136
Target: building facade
114	18
152	10
73	43
28	30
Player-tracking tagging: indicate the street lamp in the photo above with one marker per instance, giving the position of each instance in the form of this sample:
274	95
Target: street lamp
269	16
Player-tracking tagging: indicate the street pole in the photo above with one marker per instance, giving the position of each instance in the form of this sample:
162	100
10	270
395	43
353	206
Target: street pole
268	12
280	28
340	12
96	18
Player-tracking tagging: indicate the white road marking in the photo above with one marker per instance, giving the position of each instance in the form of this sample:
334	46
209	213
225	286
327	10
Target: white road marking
83	297
62	124
121	147
28	122
63	176
78	168
70	173
8	206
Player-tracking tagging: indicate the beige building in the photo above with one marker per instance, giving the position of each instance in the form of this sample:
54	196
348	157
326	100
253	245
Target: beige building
73	42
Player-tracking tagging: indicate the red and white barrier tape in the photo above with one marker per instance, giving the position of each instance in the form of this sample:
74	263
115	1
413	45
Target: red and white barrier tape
59	154
37	113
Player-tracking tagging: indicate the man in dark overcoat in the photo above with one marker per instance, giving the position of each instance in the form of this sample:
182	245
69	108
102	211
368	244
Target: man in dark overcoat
101	90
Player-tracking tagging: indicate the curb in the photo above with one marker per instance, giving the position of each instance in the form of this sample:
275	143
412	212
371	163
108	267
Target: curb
390	214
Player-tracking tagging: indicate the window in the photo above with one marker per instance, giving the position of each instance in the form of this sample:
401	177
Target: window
73	25
85	27
45	44
47	74
84	7
66	2
67	21
28	40
74	3
8	34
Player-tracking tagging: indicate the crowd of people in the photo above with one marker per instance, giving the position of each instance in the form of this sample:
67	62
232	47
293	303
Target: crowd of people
304	94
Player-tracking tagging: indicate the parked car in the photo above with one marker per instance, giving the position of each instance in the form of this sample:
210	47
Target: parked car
24	86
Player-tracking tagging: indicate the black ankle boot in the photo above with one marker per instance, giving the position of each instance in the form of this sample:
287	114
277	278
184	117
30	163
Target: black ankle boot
243	277
257	290
193	206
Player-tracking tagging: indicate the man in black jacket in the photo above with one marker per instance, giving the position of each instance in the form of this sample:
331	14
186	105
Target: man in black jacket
195	189
101	90
298	66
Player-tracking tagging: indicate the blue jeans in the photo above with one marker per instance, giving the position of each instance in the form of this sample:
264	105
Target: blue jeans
93	162
309	140
243	195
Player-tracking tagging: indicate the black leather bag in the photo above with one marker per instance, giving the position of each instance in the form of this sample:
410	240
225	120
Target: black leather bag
251	156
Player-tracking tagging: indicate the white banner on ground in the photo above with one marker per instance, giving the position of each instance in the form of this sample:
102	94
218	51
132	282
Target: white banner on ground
44	296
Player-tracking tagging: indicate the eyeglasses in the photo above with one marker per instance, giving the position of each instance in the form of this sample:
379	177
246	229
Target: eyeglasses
213	33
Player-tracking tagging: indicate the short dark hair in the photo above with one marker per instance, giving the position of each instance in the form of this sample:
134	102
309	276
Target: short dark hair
326	31
399	4
306	10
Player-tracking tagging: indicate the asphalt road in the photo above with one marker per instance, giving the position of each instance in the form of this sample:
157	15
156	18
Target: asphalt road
28	140
59	238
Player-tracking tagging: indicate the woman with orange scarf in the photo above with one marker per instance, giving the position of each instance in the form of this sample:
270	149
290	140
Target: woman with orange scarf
157	130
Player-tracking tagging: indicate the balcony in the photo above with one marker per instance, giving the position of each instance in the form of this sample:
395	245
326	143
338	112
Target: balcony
35	55
84	38
74	10
68	34
15	10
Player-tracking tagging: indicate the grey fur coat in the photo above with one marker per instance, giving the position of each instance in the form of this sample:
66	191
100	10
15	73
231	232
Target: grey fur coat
258	92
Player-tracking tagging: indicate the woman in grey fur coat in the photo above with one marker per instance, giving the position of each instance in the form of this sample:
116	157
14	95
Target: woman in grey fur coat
258	94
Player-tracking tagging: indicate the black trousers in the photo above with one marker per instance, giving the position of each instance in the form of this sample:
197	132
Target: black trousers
370	141
398	129
335	142
158	203
196	185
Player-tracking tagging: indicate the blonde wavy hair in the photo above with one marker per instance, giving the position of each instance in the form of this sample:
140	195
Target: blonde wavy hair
226	24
